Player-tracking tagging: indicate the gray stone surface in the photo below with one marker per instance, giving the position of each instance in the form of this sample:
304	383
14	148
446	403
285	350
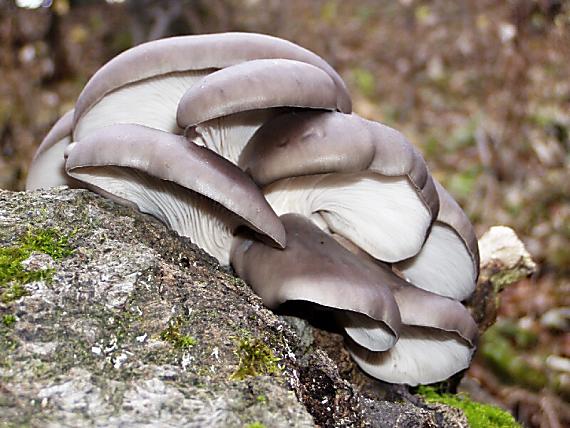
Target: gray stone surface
86	349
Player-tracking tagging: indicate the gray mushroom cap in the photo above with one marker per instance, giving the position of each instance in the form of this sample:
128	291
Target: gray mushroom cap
255	85
315	268
438	335
448	263
328	163
172	159
437	340
47	168
203	52
453	215
421	356
422	308
227	107
305	143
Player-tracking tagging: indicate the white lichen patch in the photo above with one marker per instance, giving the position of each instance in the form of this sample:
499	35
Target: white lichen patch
38	261
39	348
77	392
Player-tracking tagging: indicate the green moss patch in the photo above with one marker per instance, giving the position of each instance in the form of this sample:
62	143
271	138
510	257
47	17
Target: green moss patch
173	336
12	273
479	415
49	241
9	320
255	358
255	425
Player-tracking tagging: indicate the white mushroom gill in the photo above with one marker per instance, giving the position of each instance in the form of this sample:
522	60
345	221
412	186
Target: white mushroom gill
443	265
151	102
421	355
367	332
228	135
47	170
208	224
382	215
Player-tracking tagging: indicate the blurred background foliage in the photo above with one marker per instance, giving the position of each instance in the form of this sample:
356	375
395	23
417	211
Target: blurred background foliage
481	87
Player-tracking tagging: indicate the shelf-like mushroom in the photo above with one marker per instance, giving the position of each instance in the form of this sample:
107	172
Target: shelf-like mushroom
144	84
191	189
448	263
353	177
219	135
315	268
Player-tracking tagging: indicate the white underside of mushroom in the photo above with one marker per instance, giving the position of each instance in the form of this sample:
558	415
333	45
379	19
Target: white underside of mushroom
443	266
205	222
48	169
228	135
421	356
382	215
367	332
151	102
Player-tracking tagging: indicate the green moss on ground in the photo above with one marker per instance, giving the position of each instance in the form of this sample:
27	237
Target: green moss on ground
48	241
9	320
255	425
478	415
498	351
255	358
173	336
523	338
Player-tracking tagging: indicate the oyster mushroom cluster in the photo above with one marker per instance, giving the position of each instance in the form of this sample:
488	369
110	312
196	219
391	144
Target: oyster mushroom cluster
247	144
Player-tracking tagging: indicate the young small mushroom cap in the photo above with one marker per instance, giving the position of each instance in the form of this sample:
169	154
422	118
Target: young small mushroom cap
335	162
254	85
257	88
193	190
302	143
422	308
421	356
448	263
144	84
438	339
47	168
315	268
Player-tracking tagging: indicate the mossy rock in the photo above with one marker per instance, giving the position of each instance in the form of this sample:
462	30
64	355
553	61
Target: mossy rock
135	325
